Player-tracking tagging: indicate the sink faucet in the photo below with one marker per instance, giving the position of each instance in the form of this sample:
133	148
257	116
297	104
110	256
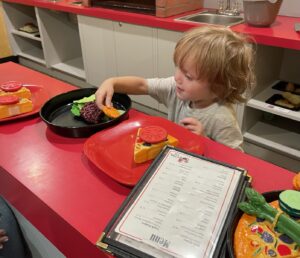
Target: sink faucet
228	9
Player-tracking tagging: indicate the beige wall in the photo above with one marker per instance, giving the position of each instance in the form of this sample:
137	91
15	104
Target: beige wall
4	43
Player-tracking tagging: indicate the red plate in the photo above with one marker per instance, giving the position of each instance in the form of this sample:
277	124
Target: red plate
111	150
39	96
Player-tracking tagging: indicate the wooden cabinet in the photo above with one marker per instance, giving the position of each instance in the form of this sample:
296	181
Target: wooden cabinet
97	41
28	45
271	132
136	53
92	49
56	45
61	41
116	49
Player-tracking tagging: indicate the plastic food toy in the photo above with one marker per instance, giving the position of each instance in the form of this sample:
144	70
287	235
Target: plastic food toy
14	99
149	142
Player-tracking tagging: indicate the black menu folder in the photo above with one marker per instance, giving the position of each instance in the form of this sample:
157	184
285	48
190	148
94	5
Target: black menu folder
181	207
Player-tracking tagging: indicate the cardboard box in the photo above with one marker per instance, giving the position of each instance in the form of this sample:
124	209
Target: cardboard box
165	8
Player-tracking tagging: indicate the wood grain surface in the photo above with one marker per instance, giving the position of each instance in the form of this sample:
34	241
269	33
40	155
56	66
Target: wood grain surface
5	49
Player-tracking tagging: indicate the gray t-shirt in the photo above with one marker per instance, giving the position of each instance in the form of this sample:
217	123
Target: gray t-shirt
218	120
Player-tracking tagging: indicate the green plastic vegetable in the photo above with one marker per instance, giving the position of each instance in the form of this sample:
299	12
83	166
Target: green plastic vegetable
257	206
78	104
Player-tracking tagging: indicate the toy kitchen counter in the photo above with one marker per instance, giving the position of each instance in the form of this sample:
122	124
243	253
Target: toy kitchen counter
50	181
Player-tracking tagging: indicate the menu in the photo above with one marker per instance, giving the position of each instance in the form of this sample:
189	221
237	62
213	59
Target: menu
181	209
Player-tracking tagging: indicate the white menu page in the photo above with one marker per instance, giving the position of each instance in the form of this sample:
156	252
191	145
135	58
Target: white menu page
181	210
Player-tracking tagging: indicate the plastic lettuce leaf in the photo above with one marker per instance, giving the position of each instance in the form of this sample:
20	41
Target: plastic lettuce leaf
75	109
78	104
85	99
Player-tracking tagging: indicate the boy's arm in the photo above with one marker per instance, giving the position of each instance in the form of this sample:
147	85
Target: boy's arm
125	84
130	85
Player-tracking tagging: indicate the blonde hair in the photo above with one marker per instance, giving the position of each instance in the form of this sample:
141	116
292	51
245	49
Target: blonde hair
221	57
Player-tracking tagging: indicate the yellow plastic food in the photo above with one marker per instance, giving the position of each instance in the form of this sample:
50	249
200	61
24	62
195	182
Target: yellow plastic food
23	106
21	93
146	151
296	182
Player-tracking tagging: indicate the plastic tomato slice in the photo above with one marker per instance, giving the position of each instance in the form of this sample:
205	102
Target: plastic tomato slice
8	100
153	134
11	86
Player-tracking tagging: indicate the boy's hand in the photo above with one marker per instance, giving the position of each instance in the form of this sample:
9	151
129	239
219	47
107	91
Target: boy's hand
193	125
105	93
3	238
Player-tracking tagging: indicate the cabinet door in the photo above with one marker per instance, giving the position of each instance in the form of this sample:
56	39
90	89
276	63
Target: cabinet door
166	42
97	41
135	48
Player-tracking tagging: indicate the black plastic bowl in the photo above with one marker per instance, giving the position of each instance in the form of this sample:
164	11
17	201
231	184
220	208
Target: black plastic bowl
57	115
269	196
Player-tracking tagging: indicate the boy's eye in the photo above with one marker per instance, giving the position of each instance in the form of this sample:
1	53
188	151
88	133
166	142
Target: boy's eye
189	77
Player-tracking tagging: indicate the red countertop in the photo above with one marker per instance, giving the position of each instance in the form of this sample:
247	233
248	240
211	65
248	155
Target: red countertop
51	182
280	34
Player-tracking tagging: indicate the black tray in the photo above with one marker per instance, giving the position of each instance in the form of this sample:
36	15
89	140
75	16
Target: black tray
57	115
276	97
269	196
282	87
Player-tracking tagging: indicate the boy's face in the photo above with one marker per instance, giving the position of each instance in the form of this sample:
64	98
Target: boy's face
190	88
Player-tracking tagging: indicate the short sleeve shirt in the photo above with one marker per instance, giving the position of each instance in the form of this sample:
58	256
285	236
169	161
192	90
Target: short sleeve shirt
218	120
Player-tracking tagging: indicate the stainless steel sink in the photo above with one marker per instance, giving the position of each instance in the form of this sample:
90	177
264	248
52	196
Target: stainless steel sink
212	18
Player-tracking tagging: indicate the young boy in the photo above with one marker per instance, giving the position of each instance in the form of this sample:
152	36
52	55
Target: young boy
214	68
